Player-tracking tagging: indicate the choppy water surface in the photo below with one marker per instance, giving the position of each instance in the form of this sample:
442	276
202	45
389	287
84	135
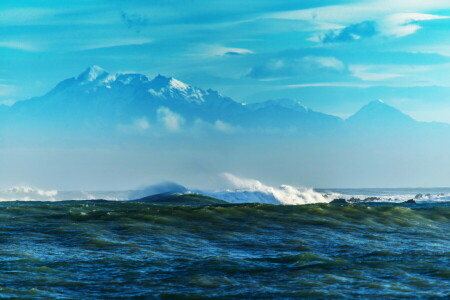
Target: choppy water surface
125	250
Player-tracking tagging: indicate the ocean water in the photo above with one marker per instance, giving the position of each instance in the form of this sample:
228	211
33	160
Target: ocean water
111	250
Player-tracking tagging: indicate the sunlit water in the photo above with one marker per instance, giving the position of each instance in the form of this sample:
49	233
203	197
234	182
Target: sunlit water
82	250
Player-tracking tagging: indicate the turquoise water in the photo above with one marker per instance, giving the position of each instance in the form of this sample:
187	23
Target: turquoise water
80	250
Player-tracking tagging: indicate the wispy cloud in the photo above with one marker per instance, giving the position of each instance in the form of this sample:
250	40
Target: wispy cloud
172	121
372	73
328	84
358	21
110	43
289	67
20	45
395	25
360	11
7	102
205	50
402	24
26	16
7	89
138	125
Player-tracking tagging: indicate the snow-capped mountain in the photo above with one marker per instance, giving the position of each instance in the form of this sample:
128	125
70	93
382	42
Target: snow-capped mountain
97	99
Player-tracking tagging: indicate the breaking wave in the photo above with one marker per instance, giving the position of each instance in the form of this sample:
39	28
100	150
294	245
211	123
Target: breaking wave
238	190
27	193
246	190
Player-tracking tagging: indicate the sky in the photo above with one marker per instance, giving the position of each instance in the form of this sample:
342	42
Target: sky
334	56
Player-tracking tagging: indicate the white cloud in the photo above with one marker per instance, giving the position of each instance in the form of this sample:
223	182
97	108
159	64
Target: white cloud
396	75
20	45
73	44
200	127
137	125
328	62
171	120
223	127
303	66
108	43
367	10
395	18
402	24
371	73
219	50
7	102
6	89
141	123
25	16
328	84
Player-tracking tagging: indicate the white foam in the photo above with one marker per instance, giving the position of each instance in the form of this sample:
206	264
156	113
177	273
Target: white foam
247	190
27	193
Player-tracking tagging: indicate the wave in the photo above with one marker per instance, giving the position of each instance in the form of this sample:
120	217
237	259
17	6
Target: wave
392	195
241	190
27	193
246	190
237	190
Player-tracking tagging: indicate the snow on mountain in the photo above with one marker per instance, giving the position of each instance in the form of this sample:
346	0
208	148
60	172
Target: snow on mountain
91	74
99	100
171	88
96	98
161	88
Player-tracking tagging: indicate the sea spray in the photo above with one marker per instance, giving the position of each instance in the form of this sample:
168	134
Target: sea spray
245	190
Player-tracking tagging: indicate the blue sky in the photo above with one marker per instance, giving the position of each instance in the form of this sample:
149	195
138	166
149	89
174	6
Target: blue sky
334	56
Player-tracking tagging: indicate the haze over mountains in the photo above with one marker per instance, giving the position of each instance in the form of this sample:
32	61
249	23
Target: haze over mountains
96	100
126	130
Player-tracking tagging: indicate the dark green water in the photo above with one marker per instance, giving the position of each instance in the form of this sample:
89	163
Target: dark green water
82	250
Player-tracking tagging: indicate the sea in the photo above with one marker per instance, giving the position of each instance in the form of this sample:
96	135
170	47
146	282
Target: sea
66	245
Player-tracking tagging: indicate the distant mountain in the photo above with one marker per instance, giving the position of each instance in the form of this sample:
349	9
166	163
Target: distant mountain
98	100
378	114
290	104
378	119
288	114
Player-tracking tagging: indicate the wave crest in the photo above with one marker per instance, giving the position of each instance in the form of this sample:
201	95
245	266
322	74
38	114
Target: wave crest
26	193
247	190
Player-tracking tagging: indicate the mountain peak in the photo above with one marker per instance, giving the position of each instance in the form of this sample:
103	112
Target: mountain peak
378	106
377	102
378	112
92	73
160	82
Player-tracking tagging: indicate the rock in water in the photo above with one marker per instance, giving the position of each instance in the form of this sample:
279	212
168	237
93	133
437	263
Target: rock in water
339	201
190	199
410	201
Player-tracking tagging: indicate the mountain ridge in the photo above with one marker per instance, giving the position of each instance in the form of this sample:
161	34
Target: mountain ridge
99	99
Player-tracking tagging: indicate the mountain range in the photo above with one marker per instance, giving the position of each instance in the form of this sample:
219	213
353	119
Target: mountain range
96	100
